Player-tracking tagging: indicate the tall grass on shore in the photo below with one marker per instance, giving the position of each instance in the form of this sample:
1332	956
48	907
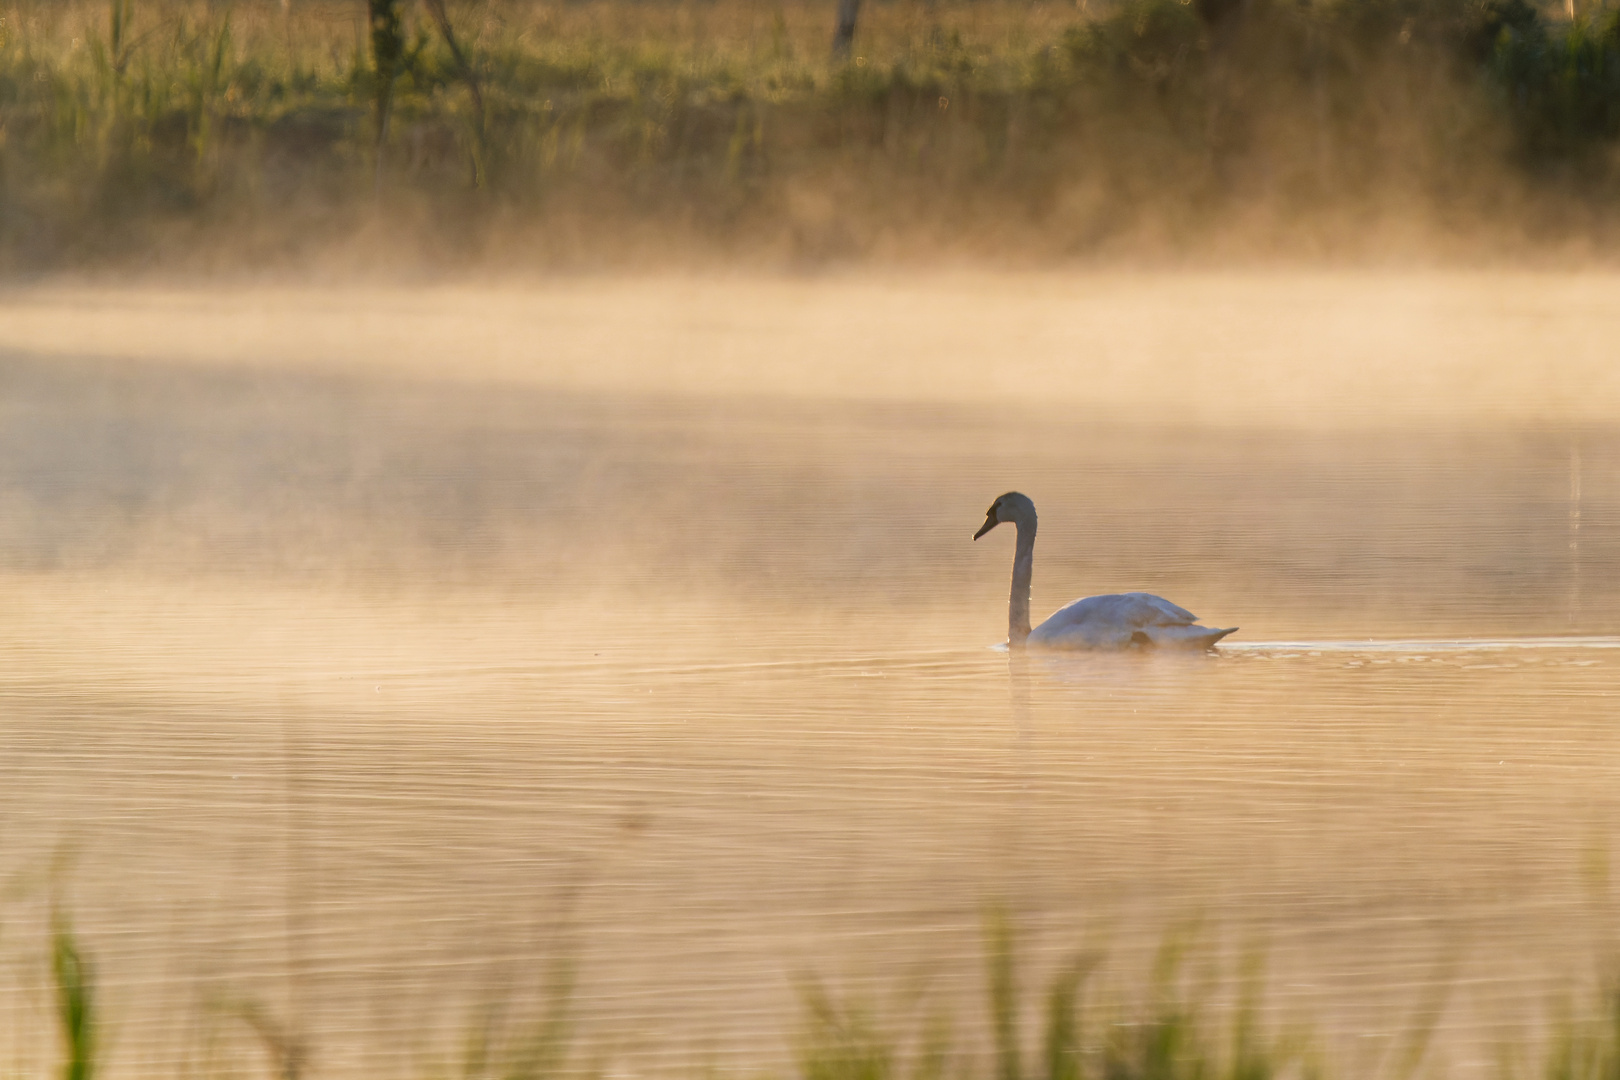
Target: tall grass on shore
1168	1036
1589	1049
74	981
1171	1033
248	132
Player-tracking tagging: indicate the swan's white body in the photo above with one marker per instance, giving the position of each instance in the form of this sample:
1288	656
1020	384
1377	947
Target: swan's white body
1120	621
1113	621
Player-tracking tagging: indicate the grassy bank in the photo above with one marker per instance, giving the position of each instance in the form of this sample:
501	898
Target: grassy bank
1065	1027
248	133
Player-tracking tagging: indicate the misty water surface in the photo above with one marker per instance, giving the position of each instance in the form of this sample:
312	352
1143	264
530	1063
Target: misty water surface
375	659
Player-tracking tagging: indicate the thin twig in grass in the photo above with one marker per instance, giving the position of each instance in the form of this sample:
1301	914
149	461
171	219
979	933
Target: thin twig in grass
287	1053
441	20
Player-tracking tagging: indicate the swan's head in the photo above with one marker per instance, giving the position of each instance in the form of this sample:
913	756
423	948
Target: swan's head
1011	507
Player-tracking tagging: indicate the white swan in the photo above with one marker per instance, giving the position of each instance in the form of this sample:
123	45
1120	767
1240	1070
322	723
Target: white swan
1115	621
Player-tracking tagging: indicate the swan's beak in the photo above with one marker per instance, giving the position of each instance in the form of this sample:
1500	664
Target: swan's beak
990	522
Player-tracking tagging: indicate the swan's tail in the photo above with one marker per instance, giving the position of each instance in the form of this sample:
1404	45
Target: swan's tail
1181	637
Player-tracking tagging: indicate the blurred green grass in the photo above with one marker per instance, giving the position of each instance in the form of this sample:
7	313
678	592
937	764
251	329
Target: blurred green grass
245	133
1171	1032
75	984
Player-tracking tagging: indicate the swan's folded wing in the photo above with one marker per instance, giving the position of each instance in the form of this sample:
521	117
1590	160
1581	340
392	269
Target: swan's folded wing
1157	611
1120	612
1121	620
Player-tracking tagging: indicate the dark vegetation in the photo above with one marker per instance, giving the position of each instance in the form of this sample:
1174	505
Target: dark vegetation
173	132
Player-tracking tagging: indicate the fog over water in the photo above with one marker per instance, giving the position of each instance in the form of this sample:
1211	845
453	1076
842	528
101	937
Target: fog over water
377	655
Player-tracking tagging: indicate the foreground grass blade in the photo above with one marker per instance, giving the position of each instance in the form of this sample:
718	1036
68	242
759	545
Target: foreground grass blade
75	1002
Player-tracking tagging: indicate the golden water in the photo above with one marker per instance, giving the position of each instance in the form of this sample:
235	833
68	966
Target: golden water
371	656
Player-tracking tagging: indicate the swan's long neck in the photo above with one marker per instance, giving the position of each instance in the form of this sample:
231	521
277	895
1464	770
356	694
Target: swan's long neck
1023	571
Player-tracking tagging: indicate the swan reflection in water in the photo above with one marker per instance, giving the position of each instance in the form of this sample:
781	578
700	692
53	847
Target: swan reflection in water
1111	621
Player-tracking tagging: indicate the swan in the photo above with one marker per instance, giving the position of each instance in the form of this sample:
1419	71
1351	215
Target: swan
1114	621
